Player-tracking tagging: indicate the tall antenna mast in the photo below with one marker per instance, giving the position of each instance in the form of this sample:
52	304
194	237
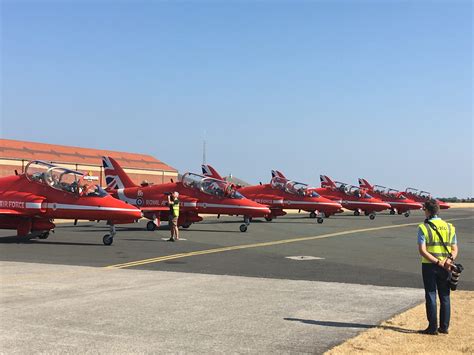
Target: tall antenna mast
204	152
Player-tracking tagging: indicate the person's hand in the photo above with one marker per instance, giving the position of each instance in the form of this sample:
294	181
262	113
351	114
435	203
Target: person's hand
448	263
441	263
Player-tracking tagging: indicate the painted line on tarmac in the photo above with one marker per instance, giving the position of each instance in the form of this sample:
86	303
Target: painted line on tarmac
259	245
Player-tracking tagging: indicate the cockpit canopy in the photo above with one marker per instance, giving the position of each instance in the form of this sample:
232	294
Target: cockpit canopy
211	186
422	194
292	187
352	190
62	179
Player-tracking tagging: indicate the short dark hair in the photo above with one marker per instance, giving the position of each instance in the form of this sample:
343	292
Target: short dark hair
431	206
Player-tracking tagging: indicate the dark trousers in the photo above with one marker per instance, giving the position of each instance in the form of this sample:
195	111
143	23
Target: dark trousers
435	277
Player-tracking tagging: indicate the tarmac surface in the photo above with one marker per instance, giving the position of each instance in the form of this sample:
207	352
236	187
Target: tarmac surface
286	286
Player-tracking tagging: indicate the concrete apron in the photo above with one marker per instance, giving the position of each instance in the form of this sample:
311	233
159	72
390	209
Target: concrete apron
75	309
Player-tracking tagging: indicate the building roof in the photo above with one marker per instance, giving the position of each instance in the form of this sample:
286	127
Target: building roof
13	149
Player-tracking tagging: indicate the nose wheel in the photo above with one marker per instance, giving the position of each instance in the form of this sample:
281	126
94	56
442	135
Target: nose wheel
320	220
407	214
372	216
108	239
243	228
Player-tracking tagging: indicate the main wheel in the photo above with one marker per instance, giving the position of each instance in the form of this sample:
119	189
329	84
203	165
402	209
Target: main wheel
108	239
392	211
44	235
320	220
268	219
372	216
243	228
366	213
186	225
312	214
356	213
407	214
150	226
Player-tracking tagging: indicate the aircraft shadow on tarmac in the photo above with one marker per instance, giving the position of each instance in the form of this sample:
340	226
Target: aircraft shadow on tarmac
350	325
26	240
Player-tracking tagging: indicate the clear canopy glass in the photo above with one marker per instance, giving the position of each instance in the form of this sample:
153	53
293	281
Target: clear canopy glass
60	178
211	186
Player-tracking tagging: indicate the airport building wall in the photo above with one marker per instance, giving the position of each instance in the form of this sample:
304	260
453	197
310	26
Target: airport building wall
15	155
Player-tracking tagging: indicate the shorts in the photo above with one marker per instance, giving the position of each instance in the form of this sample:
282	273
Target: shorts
174	221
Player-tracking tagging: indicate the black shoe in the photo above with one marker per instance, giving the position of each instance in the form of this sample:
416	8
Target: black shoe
443	331
171	240
429	331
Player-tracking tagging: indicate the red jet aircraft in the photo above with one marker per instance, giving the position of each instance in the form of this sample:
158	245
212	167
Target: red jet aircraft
351	197
397	200
282	193
29	202
423	196
198	194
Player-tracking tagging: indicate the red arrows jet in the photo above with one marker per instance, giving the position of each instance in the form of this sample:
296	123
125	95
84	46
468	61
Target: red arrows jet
351	197
197	193
29	202
423	196
282	193
397	200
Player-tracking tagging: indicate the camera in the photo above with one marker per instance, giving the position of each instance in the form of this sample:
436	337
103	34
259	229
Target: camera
167	193
453	279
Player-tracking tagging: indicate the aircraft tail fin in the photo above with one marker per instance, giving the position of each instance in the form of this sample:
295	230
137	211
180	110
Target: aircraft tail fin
277	173
208	170
363	183
326	181
115	176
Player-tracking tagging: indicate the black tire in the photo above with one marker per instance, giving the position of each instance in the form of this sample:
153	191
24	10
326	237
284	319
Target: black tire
407	214
356	213
150	226
268	219
320	220
372	216
243	228
392	212
108	239
186	226
44	235
312	214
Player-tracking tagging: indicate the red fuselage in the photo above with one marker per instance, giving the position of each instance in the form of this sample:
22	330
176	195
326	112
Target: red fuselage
352	202
153	201
397	202
423	199
30	206
278	200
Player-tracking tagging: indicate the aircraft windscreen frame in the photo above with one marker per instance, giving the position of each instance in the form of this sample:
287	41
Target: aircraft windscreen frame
56	177
210	186
357	191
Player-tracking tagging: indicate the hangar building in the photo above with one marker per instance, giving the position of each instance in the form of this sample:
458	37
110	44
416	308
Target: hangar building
14	155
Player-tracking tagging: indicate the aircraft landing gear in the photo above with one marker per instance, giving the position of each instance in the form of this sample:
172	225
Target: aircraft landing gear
407	214
186	225
268	218
243	227
44	235
312	214
150	226
320	220
393	211
372	216
357	213
108	239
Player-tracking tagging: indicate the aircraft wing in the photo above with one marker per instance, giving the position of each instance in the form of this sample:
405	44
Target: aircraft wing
9	212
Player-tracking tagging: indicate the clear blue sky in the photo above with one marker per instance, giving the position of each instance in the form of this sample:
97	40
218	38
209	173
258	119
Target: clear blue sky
375	89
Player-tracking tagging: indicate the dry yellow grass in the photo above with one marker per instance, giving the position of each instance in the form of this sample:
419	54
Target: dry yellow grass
398	335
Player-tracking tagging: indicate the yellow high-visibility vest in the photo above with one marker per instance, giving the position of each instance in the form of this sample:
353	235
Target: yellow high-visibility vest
175	208
433	244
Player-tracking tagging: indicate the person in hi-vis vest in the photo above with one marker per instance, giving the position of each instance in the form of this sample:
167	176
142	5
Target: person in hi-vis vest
173	203
436	266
